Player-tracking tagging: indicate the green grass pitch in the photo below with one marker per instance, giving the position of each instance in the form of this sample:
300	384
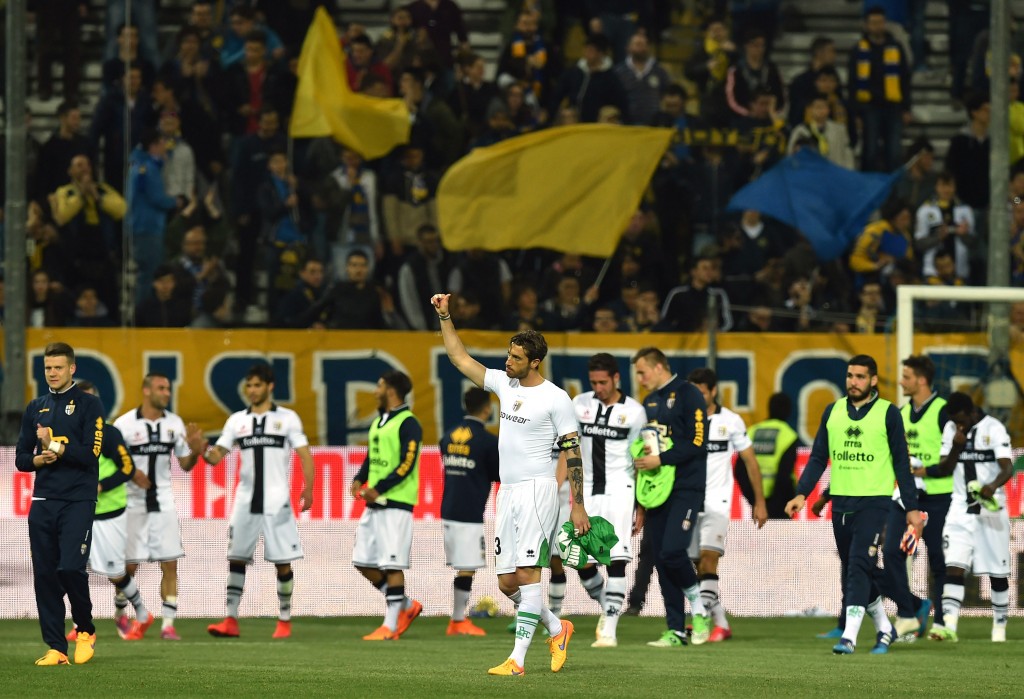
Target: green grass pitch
325	657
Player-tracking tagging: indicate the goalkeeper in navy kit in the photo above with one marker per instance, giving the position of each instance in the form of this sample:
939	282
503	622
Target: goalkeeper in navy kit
675	479
60	441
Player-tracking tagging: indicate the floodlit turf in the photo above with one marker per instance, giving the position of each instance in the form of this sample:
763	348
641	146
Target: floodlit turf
325	657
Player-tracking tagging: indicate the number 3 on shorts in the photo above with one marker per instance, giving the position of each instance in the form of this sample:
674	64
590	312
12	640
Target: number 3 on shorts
497	546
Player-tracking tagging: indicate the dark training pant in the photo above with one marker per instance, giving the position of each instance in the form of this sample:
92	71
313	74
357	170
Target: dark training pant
858	539
60	537
896	585
670	527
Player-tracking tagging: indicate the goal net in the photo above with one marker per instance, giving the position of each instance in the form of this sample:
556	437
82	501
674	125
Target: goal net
972	335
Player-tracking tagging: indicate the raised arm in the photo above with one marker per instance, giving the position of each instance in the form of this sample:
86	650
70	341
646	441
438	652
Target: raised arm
470	368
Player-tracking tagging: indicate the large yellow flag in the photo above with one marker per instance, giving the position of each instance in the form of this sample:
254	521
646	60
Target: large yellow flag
326	106
570	188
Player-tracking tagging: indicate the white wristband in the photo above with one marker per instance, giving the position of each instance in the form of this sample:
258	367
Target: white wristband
54	446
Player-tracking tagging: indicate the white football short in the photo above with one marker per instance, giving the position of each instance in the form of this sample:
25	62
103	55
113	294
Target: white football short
464	545
562	516
281	542
977	543
617	508
153	536
525	520
383	539
712	529
109	539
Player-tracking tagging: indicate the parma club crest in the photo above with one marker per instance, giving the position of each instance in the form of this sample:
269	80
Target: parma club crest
69	409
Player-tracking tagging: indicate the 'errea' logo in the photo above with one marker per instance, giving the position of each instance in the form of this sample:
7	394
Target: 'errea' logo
853	434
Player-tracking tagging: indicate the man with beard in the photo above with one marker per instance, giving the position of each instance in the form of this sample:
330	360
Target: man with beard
534	415
389	482
644	79
266	434
864	437
152	434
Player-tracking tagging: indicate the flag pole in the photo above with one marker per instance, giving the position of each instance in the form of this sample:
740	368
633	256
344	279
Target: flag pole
291	171
604	271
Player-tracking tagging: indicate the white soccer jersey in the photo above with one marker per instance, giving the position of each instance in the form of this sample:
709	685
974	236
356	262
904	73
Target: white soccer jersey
266	441
987	442
727	434
532	418
607	431
151	443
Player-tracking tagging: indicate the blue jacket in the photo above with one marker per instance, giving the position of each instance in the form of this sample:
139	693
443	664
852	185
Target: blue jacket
680	408
148	201
76	419
233	50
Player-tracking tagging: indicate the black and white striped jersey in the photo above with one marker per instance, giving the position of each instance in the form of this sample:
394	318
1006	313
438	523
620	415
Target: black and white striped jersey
987	442
266	441
151	443
606	432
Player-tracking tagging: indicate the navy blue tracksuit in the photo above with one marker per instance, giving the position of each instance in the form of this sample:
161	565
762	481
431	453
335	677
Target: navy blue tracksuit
63	503
936	505
897	585
679	407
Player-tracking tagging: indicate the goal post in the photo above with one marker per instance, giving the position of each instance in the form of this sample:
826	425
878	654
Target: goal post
941	313
908	294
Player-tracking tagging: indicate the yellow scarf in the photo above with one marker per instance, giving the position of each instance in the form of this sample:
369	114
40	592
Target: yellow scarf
721	67
819	137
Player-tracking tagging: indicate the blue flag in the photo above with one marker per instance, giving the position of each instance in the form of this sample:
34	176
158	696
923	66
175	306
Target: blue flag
828	204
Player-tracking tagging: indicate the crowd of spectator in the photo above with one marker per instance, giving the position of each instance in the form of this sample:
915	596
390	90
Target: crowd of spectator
187	146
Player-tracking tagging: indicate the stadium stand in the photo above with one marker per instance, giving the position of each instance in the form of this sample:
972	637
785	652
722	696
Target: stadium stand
334	199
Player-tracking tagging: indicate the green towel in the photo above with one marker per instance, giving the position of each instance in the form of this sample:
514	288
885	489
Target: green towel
653	486
597	542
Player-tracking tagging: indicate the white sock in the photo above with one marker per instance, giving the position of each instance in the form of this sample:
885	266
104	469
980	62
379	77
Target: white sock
696	603
952	598
121	602
556	595
516	597
877	611
595	588
614	598
395	597
854	618
236	582
530	608
551	621
712	602
459	605
130	593
284	597
1000	607
168	611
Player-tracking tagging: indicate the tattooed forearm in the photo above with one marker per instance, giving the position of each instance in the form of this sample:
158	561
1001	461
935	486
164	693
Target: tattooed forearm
574	466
